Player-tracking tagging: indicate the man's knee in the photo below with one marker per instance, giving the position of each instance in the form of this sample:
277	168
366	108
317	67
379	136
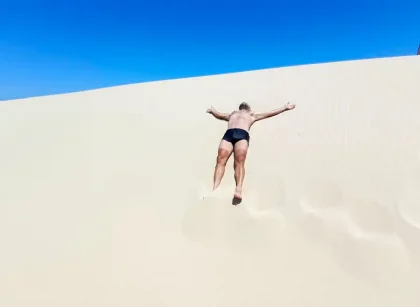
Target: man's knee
240	157
221	161
222	158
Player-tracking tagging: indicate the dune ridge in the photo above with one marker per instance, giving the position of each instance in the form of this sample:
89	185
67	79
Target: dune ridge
101	192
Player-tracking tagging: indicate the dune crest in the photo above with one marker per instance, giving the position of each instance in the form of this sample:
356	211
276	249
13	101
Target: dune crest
106	194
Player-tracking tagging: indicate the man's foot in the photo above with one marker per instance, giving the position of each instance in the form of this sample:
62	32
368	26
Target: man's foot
237	197
238	193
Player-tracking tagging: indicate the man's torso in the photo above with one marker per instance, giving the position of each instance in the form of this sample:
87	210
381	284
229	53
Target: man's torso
241	120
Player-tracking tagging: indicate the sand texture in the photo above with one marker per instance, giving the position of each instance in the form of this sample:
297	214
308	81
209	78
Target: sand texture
101	193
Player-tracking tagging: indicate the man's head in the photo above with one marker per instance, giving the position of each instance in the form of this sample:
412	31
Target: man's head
244	106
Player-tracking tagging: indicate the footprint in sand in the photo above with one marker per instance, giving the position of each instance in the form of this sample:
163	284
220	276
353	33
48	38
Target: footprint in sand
319	195
408	205
370	216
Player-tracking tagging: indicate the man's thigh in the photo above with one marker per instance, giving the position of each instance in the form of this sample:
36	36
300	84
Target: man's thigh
241	150
225	150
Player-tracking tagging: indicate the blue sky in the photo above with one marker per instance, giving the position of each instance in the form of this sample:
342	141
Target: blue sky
49	47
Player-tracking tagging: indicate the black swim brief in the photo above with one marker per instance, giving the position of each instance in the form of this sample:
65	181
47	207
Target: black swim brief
235	135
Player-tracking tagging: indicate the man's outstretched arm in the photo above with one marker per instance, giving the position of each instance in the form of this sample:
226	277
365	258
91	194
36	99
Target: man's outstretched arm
260	116
218	115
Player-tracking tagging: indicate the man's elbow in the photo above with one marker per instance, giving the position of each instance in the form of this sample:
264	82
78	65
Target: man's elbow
223	117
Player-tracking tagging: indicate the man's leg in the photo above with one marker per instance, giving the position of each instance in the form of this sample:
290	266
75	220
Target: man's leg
223	154
241	150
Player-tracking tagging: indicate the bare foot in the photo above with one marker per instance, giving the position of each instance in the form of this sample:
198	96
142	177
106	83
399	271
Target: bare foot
237	197
238	193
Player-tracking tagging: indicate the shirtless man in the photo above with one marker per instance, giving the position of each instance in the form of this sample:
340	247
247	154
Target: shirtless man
236	139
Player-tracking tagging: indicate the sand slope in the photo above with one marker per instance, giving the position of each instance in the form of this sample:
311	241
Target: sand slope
100	193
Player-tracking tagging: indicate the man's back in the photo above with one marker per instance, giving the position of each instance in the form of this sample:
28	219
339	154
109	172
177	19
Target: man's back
240	119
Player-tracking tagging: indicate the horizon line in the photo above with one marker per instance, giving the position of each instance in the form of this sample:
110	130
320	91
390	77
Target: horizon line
213	75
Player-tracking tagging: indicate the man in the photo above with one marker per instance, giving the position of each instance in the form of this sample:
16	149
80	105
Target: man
236	139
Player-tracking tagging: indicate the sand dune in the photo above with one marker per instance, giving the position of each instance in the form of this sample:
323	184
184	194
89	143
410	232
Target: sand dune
100	201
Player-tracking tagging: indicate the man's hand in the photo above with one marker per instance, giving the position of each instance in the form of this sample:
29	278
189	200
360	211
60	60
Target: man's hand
218	115
289	106
260	116
211	110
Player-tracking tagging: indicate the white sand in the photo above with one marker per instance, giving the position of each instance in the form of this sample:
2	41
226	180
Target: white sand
100	193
